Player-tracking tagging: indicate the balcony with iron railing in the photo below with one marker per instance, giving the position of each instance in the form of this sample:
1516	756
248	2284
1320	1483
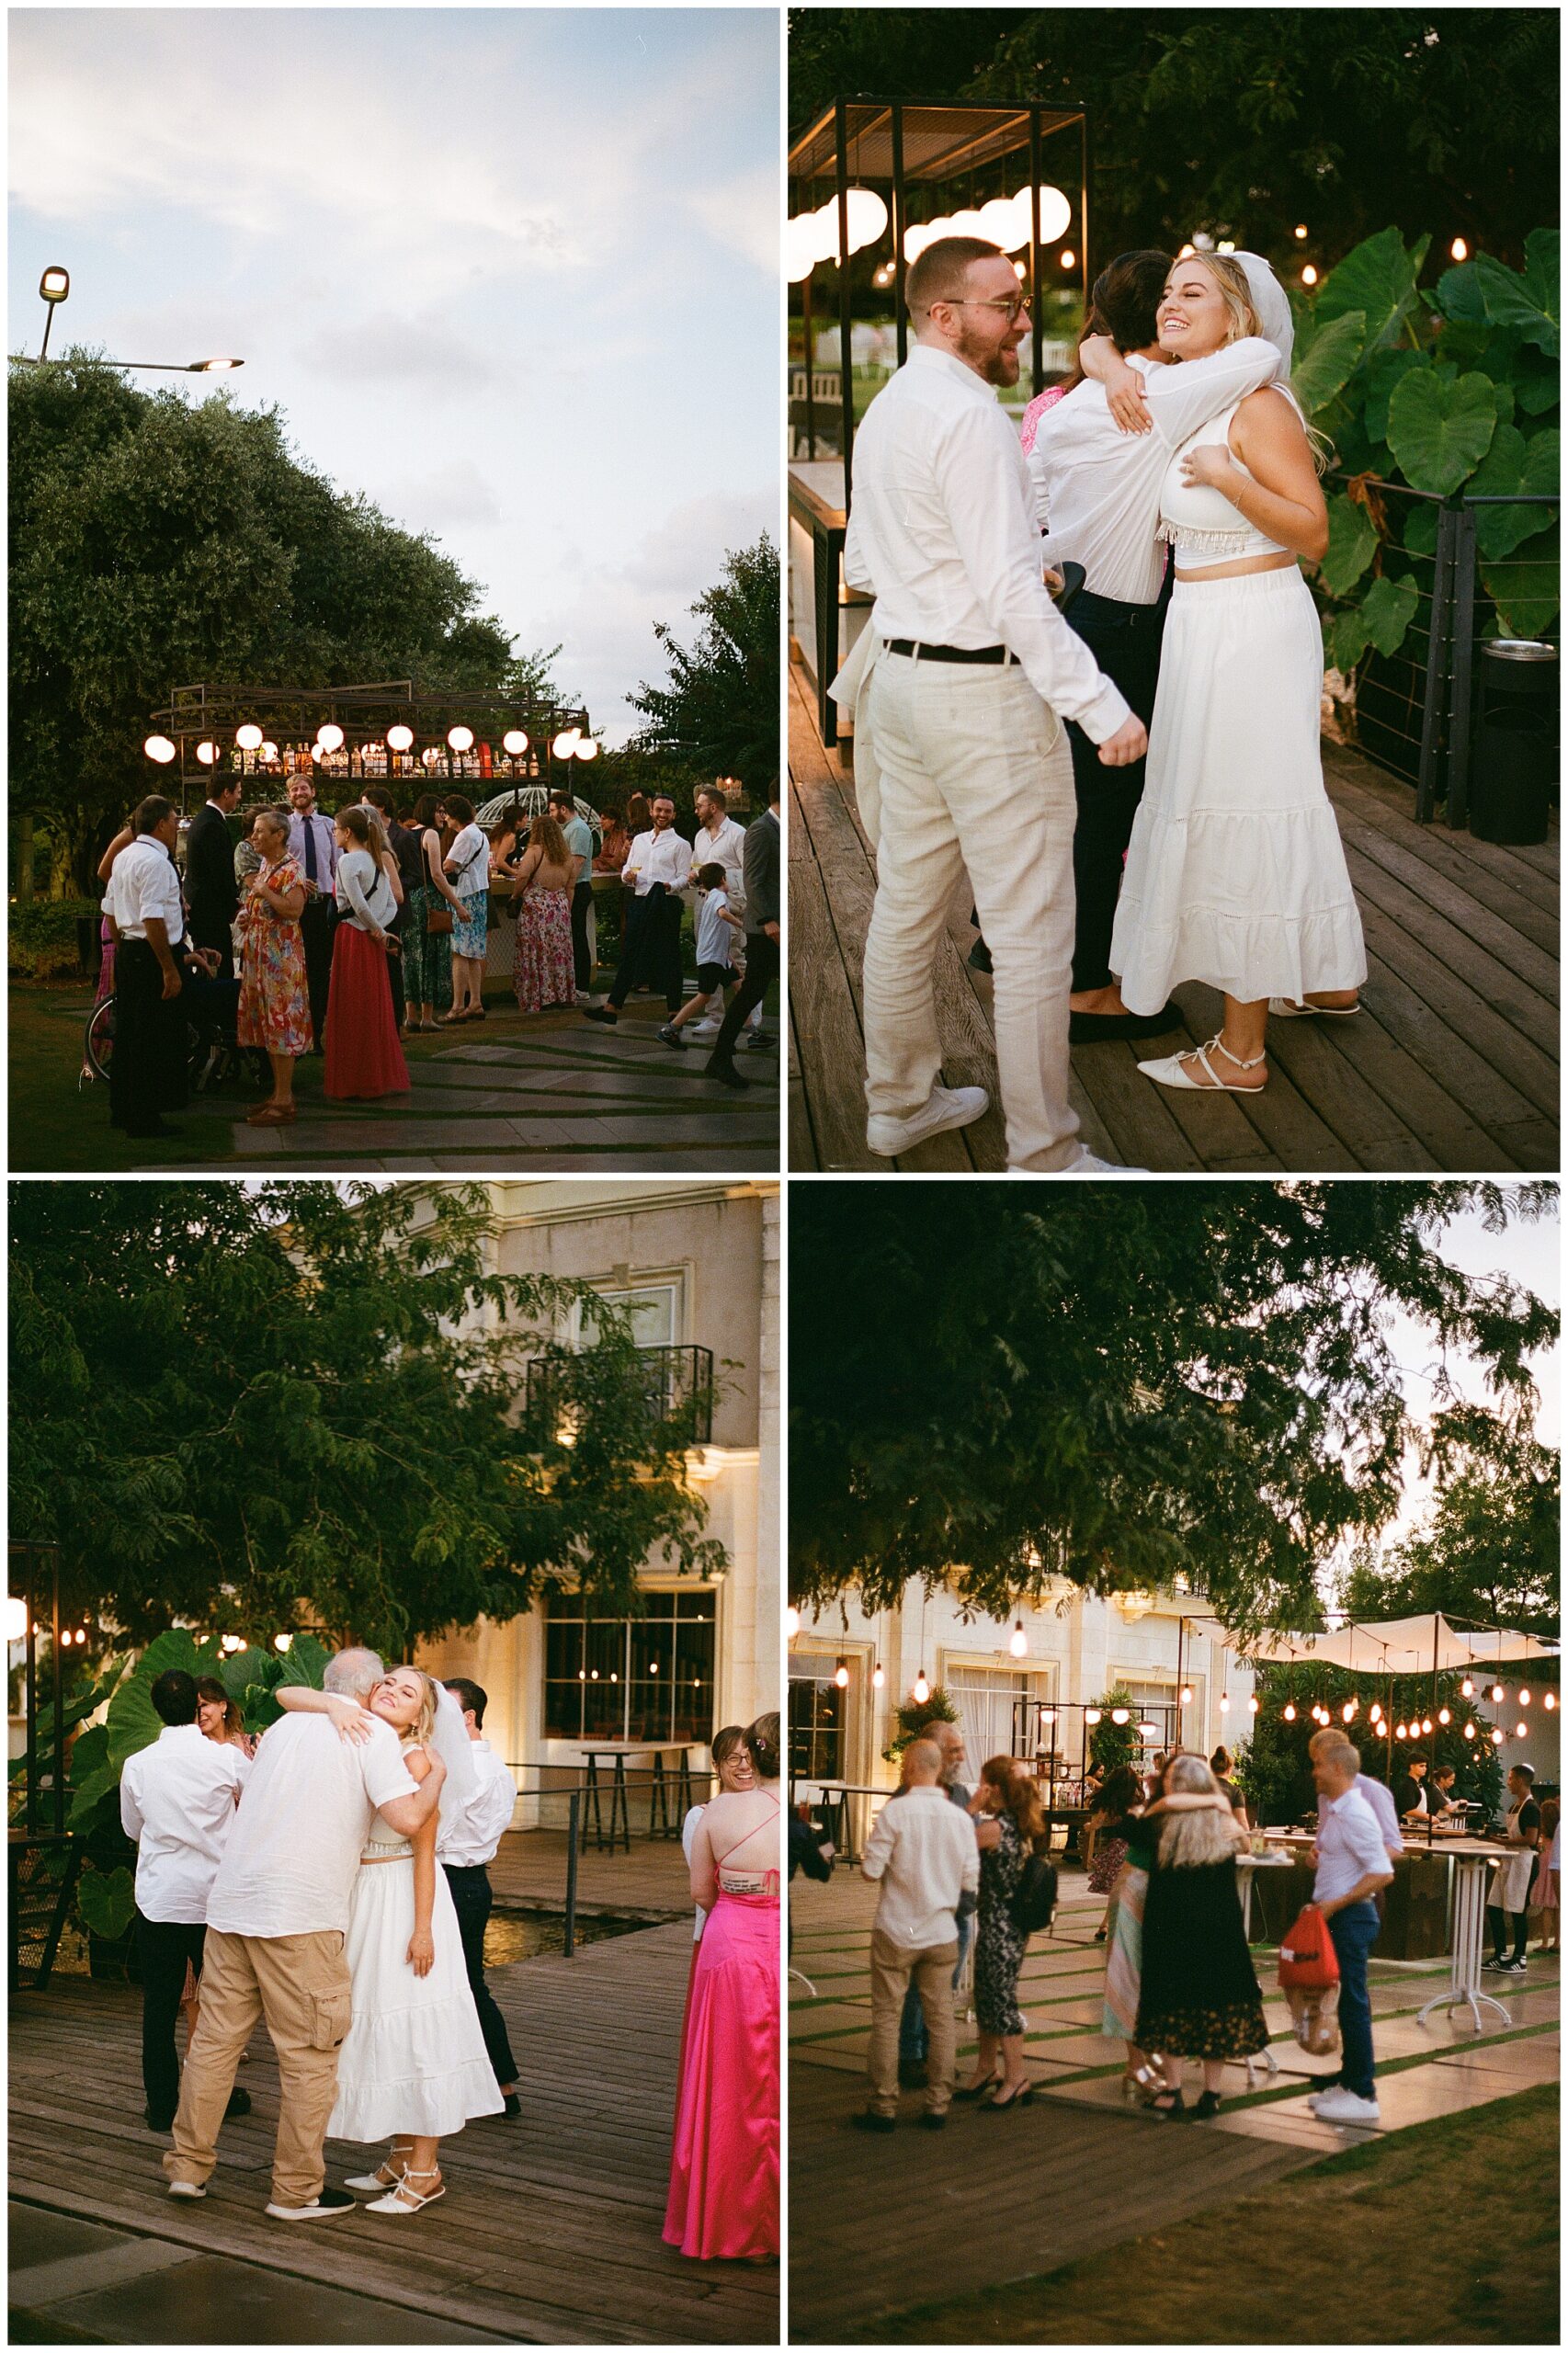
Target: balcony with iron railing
678	1384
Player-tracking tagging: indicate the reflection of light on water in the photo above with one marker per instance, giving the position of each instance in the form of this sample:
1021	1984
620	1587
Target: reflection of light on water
518	1936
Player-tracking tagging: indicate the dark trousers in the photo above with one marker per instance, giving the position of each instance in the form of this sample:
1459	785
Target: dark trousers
1355	1932
209	929
582	900
147	1069
762	970
318	922
651	951
472	1898
1497	1921
394	967
1125	641
163	1948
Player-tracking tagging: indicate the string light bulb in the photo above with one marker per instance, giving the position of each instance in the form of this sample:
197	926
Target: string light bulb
1399	1732
1467	1689
791	1622
1470	1732
1252	1704
1224	1703
1549	1700
877	1677
1519	1731
1186	1695
841	1676
1091	1715
1427	1724
922	1689
1289	1711
1524	1699
1017	1641
1497	1735
1496	1691
1348	1711
1444	1717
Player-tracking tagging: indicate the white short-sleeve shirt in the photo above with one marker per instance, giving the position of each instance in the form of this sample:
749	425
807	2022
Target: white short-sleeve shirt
143	880
176	1800
289	1868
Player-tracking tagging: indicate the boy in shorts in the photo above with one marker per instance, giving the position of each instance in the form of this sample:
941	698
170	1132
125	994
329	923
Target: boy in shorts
715	966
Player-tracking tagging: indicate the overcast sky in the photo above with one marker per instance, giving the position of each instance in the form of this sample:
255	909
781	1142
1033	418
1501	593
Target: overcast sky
513	273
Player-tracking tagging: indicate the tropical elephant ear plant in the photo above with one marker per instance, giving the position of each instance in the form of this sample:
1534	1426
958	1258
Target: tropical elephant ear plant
1449	389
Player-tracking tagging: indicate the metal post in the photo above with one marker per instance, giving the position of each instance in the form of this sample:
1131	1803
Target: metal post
1037	346
1460	648
846	321
573	1828
900	222
807	329
1083	210
1436	670
58	1775
1181	1639
30	1696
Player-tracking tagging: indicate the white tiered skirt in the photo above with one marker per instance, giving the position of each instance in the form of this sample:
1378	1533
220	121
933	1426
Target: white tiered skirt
1236	874
414	2059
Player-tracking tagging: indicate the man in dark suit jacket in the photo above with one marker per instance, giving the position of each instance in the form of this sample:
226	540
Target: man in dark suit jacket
210	890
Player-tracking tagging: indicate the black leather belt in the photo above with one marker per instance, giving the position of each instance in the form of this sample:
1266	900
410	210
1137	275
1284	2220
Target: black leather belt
913	645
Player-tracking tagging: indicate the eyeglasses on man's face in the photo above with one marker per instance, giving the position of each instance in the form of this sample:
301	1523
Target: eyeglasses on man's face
1013	305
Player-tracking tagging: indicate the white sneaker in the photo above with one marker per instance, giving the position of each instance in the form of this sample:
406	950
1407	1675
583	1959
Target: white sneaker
187	2189
1327	2093
1342	2106
949	1107
1088	1164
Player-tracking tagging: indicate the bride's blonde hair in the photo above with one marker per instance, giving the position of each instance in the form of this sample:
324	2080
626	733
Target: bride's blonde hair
1242	320
418	1733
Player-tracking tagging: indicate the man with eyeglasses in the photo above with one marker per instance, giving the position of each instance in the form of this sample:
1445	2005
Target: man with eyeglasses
974	671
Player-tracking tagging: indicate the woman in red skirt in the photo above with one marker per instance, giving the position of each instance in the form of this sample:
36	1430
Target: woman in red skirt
363	1056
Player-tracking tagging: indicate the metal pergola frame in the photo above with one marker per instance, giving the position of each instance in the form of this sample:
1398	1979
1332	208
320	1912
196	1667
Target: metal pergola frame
871	141
212	713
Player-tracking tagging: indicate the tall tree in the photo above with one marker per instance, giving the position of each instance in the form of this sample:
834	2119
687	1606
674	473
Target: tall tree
302	1406
1489	1555
1112	1384
720	711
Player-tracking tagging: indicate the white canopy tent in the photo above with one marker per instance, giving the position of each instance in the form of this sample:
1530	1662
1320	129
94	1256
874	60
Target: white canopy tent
1423	1646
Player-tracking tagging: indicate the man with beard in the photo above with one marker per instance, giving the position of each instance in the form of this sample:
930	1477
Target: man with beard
974	671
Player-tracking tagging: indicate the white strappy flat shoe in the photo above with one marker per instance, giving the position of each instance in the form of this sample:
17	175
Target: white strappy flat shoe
1285	1008
1169	1070
404	2199
386	2175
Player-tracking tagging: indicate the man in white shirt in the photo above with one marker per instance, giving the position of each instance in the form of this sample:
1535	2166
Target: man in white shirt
1352	1866
657	869
719	840
923	1851
1375	1792
1097	486
974	673
176	1800
312	845
276	1921
147	1073
465	1848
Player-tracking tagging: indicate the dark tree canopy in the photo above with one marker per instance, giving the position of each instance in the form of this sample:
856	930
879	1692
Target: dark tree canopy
156	543
720	711
996	1385
297	1405
1244	121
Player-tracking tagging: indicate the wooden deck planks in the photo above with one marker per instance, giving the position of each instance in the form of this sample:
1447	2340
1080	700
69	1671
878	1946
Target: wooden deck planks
551	2231
1452	1064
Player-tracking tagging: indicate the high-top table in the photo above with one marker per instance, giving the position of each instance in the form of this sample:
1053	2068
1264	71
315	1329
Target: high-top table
671	1782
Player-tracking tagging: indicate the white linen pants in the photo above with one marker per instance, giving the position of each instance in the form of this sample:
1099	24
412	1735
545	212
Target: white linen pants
976	774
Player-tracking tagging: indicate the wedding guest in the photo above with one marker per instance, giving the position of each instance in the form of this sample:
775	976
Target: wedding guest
579	838
1372	1790
1352	1868
948	1742
923	1851
428	923
1219	1766
122	840
467	865
1235	872
716	925
465	1851
1137	1832
177	1801
210	889
731	1771
1097	465
1112	1804
762	937
967	670
277	1918
364	1059
542	969
147	1072
724	2199
275	1012
614	844
405	847
1198	1998
656	869
220	1718
1544	1887
1010	1820
314	851
1508	1896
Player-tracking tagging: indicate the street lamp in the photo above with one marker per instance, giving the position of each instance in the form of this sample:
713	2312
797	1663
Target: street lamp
53	288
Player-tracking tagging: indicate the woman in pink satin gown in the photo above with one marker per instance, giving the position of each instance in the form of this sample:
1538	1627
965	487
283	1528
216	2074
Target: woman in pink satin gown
724	2198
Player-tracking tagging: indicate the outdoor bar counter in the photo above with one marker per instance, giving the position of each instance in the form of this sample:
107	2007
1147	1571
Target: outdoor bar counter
1417	1908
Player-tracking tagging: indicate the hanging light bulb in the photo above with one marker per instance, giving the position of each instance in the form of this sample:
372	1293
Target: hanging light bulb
877	1677
1549	1700
1470	1732
1497	1735
1186	1695
1289	1711
1375	1712
841	1676
1496	1691
1121	1715
1348	1711
1017	1641
1399	1732
1252	1704
1467	1688
1524	1699
1426	1725
922	1689
282	1642
1444	1717
1224	1703
1459	250
1519	1731
791	1622
1091	1715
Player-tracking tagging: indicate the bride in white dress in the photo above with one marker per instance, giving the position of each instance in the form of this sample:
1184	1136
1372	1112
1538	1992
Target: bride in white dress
413	2068
1236	874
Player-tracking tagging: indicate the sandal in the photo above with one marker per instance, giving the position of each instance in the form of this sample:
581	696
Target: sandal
1167	2103
1285	1008
1171	1070
1208	2106
405	2199
384	2176
1019	2099
978	2091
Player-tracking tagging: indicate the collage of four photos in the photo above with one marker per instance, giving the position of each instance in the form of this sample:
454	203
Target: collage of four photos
851	1634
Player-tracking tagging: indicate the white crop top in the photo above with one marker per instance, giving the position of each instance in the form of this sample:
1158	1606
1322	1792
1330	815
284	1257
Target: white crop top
1200	522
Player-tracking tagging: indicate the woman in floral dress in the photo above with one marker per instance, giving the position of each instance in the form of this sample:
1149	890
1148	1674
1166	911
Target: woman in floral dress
1009	1820
427	954
542	969
274	1005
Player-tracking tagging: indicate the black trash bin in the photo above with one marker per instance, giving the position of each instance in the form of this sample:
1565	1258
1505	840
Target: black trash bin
1514	758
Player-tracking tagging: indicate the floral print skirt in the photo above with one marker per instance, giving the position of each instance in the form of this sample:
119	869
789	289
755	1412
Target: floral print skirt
471	930
542	969
427	955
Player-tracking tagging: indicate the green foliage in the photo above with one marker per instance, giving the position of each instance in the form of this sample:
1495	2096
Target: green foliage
1488	1554
106	1901
1455	392
42	939
720	711
1113	1745
156	540
1001	1390
915	1716
1274	1769
296	1408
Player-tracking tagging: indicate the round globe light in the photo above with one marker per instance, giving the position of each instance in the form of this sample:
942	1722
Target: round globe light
16	1619
159	748
586	750
248	738
206	753
966	223
566	743
867	216
1091	1715
998	220
515	742
1055	212
400	738
461	738
825	230
269	752
329	735
1120	1715
800	253
915	240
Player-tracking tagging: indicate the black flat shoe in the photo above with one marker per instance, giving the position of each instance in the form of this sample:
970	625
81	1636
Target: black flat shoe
930	2124
868	2122
1167	2103
1020	2098
1209	2105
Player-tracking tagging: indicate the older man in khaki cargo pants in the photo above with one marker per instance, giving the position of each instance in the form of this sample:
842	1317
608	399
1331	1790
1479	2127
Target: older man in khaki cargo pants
276	1921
